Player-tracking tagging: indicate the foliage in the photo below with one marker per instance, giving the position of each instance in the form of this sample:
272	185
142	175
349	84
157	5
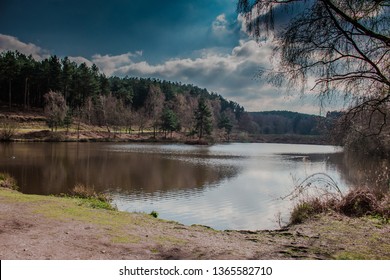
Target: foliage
169	121
203	123
226	124
99	100
91	197
285	122
7	181
154	214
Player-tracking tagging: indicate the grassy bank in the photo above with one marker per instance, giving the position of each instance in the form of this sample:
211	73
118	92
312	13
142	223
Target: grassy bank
40	227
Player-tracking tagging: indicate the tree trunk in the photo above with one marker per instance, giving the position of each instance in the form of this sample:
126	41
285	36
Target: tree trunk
78	124
25	93
10	92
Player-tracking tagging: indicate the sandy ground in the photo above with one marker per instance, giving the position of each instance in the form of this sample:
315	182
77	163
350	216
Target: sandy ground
41	227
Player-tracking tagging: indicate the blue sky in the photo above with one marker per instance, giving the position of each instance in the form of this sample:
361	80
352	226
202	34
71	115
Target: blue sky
202	42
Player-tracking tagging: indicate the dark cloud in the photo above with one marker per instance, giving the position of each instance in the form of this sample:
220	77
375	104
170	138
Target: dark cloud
162	29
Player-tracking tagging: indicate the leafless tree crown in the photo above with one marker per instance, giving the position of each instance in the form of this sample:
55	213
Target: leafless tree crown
337	47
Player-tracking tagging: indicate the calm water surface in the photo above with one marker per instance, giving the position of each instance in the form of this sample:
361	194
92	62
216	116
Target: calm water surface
232	186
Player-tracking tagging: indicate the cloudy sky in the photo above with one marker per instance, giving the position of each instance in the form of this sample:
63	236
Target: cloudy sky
201	42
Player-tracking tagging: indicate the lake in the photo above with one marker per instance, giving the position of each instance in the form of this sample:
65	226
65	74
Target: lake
224	186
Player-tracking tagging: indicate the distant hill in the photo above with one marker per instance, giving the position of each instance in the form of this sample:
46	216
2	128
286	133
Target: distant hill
286	122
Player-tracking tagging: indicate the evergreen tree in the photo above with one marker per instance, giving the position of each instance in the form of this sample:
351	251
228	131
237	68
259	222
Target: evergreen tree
203	119
226	124
169	121
9	70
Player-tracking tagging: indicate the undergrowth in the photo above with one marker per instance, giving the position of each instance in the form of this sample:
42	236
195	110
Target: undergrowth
357	202
7	130
7	181
89	197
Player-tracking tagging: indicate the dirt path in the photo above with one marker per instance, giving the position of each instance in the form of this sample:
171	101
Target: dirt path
42	227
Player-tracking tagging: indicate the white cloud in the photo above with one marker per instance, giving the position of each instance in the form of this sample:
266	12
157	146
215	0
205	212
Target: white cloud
109	64
233	75
220	25
11	43
80	59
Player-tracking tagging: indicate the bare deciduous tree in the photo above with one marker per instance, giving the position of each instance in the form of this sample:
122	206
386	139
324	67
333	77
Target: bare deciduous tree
55	109
154	106
343	45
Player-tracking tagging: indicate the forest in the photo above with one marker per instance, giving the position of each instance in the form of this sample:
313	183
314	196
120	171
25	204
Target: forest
67	91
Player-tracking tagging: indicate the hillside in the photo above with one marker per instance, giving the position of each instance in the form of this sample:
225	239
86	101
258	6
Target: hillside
286	122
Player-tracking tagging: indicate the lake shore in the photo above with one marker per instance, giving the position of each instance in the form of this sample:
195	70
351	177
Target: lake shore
30	126
47	227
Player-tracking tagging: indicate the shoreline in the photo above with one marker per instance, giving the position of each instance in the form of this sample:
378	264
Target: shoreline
32	225
30	126
179	138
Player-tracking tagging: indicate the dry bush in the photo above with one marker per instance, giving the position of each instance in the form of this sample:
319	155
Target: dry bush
7	130
84	191
384	205
357	202
309	207
7	181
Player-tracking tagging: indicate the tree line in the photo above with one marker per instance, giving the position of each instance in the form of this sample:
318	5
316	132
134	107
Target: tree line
68	91
286	122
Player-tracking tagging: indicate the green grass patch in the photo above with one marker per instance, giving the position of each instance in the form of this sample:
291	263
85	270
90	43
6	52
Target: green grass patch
350	256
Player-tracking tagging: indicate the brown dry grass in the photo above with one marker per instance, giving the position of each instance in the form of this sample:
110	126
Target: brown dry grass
8	182
83	191
357	202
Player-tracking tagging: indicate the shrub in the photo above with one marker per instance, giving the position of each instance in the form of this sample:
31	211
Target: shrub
319	193
356	203
91	197
154	214
309	207
7	181
7	130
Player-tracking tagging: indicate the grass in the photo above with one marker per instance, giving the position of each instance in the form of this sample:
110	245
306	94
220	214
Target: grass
89	197
331	236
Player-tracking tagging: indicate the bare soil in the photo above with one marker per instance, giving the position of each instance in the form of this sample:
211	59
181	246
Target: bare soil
44	227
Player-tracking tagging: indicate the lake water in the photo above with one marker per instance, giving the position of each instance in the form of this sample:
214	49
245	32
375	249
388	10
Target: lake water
224	186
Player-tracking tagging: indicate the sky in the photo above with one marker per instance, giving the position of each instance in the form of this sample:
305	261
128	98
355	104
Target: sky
199	42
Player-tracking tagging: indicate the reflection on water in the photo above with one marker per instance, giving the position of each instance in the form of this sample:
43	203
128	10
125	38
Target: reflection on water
53	168
234	186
